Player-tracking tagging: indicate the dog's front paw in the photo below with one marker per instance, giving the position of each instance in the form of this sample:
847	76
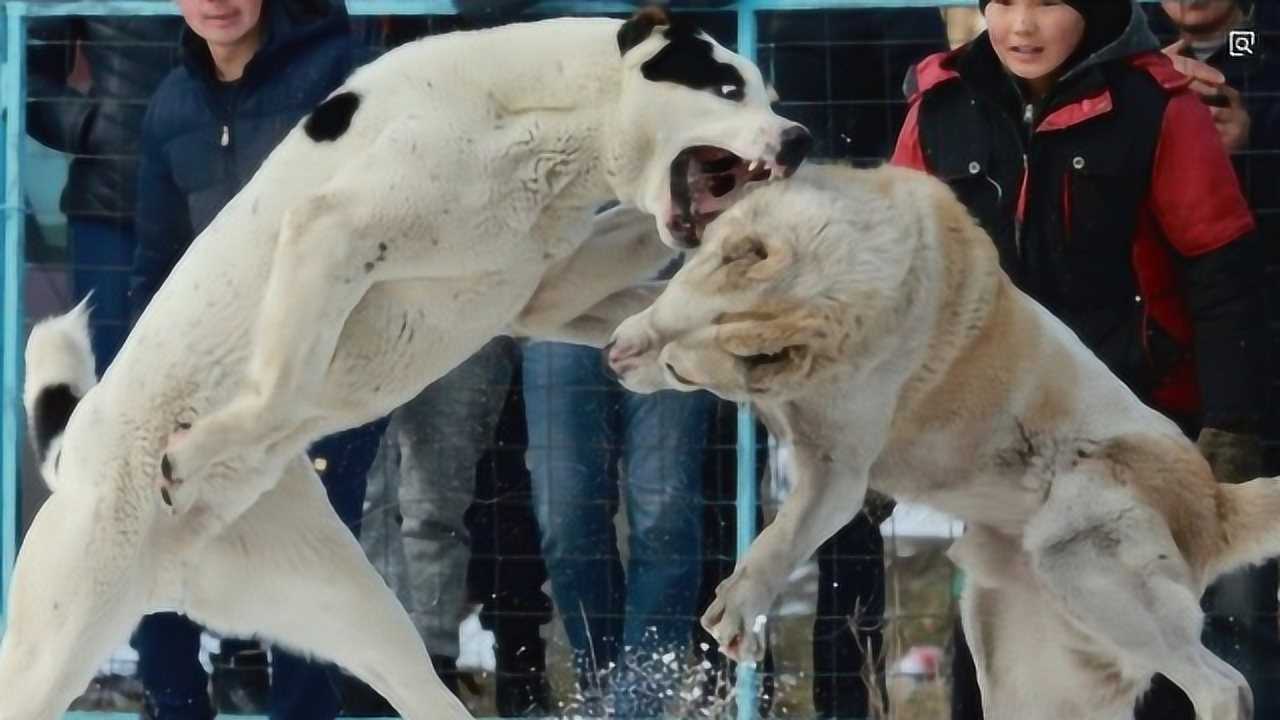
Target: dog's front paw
632	356
737	617
170	481
627	349
192	448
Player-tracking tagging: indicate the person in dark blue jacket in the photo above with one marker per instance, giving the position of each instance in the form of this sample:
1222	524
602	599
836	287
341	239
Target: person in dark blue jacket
251	69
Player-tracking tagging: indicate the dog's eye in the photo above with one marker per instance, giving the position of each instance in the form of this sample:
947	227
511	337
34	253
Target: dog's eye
730	92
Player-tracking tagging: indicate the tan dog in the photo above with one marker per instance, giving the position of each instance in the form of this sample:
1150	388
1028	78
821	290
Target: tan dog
866	317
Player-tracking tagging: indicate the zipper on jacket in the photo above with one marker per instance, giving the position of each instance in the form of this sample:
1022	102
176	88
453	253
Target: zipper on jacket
1019	212
1025	145
224	142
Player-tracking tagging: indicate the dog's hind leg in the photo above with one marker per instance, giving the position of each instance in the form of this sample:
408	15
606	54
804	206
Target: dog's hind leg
1027	662
367	225
1112	566
79	587
312	590
315	267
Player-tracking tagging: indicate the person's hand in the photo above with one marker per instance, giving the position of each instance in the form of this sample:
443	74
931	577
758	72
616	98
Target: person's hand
1225	104
1205	79
1231	118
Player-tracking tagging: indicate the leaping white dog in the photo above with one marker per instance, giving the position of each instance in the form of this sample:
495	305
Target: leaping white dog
443	195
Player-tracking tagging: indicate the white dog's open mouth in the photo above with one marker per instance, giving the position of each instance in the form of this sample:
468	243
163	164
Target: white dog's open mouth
703	181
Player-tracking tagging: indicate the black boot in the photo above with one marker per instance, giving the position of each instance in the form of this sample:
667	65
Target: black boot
447	668
521	686
241	679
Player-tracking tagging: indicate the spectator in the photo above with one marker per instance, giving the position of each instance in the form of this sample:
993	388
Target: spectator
424	482
1244	96
507	570
1099	175
1241	94
629	632
251	69
97	120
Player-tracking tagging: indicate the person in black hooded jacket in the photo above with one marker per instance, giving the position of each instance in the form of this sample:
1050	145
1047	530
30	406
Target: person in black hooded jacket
98	126
1098	173
1245	103
251	69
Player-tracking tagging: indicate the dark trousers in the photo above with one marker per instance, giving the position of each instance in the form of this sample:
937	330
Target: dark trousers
101	257
506	571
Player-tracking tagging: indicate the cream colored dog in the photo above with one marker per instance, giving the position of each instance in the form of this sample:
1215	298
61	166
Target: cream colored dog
865	315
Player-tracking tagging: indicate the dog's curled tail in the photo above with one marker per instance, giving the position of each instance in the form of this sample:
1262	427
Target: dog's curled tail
59	372
1249	516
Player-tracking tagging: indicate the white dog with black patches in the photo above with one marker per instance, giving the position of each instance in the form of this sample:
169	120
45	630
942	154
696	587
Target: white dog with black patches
446	193
864	313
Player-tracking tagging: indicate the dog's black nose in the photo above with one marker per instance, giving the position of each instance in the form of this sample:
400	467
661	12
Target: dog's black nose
796	144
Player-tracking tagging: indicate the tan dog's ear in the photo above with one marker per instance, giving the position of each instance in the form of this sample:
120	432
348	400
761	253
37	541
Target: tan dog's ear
775	349
771	336
756	259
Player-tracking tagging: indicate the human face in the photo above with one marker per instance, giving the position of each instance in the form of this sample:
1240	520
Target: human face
224	23
1200	16
1033	38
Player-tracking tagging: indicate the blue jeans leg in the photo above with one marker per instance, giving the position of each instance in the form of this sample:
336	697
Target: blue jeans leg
666	434
570	416
101	256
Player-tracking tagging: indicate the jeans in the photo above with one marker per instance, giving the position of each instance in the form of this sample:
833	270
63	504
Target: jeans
168	644
621	625
101	257
422	485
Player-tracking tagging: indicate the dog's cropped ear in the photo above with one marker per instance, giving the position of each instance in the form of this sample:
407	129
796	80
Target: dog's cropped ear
641	26
756	258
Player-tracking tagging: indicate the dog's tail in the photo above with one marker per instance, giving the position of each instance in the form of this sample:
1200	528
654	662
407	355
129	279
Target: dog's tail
1249	515
59	372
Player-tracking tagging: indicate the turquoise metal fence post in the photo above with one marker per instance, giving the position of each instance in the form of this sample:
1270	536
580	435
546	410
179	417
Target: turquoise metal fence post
746	474
14	87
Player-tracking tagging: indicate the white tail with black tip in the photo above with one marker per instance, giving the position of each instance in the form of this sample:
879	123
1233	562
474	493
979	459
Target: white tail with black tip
59	372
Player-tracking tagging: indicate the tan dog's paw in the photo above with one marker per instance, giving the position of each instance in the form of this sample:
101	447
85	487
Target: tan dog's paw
629	345
738	615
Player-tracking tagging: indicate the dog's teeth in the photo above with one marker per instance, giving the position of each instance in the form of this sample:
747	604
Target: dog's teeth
755	165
